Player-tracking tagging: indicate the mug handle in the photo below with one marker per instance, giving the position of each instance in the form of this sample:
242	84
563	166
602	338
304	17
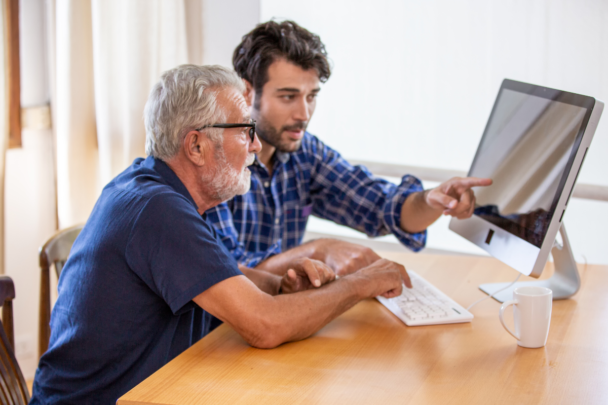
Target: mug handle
500	315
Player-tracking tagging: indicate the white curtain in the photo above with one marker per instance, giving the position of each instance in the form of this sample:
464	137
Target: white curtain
106	55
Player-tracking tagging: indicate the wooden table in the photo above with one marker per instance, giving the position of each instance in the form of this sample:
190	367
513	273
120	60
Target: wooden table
367	356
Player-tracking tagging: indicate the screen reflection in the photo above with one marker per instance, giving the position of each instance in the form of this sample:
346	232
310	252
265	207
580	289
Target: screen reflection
525	150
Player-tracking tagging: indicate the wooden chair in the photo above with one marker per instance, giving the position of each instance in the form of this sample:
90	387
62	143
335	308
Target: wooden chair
55	253
13	389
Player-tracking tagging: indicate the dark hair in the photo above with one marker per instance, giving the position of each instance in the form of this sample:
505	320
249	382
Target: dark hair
270	41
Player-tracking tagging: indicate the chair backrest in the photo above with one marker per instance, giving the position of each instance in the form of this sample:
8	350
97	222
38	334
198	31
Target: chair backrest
55	253
13	389
57	249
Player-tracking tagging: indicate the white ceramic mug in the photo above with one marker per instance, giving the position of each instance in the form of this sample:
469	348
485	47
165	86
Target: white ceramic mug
532	313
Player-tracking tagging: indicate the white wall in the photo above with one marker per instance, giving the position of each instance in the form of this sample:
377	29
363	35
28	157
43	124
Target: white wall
224	24
420	78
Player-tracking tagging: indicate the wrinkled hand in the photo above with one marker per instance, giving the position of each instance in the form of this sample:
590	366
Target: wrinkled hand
455	196
305	274
383	277
344	257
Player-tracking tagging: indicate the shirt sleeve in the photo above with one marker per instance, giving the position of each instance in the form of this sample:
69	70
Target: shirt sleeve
221	219
351	196
176	252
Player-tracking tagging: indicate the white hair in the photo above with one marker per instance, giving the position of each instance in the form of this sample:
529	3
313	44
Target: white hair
184	99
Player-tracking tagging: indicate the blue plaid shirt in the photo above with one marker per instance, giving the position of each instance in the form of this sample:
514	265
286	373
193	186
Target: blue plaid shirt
315	179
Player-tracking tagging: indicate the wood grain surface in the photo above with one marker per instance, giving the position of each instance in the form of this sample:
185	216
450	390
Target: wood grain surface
367	356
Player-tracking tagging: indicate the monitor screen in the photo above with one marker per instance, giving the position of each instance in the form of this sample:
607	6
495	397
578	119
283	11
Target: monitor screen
527	149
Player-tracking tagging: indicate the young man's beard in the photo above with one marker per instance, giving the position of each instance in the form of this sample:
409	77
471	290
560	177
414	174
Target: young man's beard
273	137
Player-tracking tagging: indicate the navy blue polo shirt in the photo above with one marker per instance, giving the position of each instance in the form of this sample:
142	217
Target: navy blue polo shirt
125	295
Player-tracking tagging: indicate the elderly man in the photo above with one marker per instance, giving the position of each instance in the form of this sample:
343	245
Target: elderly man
296	174
147	271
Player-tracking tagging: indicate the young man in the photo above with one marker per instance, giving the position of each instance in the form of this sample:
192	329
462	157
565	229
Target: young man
296	175
147	270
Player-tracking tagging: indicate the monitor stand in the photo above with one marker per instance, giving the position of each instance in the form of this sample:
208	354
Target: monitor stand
564	282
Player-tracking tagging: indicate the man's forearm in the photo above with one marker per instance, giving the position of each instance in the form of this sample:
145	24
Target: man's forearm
341	256
269	283
279	264
316	308
272	320
266	321
416	214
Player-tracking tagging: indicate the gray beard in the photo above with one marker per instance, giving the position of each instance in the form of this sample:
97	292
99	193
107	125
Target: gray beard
225	181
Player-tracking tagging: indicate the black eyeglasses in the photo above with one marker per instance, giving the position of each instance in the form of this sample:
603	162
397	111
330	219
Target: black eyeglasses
251	125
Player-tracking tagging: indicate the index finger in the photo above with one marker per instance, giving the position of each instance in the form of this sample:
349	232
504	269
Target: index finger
405	276
312	272
469	182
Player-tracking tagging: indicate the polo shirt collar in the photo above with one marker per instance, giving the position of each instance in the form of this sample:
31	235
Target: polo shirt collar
169	176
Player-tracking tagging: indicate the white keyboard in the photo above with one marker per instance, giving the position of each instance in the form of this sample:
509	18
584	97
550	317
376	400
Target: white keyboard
424	304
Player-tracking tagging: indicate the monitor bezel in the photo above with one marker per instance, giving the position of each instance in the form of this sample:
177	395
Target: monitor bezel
510	248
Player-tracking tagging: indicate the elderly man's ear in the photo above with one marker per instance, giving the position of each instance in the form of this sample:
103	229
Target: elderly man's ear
249	93
196	147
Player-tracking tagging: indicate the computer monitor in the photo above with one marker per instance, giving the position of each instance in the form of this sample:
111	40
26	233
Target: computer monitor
532	148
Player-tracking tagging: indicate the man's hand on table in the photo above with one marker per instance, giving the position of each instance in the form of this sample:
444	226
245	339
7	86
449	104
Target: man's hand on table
308	273
383	277
343	257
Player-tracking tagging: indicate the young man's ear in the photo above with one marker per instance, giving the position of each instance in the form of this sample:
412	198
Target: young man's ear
249	93
194	147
